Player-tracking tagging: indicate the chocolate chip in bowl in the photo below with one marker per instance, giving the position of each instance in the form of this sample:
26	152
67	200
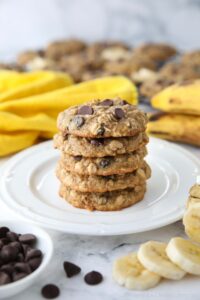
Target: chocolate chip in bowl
25	251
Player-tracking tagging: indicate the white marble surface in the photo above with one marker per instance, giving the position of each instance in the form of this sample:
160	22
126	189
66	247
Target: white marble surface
32	24
98	253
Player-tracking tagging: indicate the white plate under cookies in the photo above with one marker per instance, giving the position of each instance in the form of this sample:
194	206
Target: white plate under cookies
29	187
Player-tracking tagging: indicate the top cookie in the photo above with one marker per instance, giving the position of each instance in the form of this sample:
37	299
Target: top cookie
107	118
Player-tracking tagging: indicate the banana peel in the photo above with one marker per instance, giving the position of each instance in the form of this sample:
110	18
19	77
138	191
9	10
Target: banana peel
179	98
175	127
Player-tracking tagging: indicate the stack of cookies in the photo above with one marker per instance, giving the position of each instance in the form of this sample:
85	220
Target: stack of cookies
102	147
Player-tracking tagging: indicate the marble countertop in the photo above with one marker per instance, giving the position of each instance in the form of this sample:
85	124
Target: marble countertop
98	253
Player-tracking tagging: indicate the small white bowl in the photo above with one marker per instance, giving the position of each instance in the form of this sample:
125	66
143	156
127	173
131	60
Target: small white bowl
44	243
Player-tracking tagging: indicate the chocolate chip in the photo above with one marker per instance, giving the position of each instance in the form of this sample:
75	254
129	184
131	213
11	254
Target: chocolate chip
3	231
97	142
1	244
28	239
16	245
8	253
123	102
5	241
101	130
71	269
34	263
20	257
4	278
22	267
104	162
50	291
85	110
119	113
77	158
18	276
25	248
12	236
93	278
79	121
8	269
107	102
32	253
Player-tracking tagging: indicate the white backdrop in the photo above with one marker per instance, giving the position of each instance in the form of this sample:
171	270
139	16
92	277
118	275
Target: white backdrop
33	23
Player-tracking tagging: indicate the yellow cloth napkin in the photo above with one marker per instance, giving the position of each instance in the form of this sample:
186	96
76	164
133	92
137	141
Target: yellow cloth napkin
26	114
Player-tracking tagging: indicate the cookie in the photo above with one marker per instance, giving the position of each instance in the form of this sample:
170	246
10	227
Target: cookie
191	57
58	49
95	183
156	51
108	165
108	201
153	86
27	56
73	145
180	72
107	118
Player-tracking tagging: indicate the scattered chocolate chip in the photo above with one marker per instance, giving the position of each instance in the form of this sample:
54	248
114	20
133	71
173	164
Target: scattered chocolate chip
79	121
123	102
93	278
34	263
71	269
77	158
3	231
104	162
4	278
101	130
107	102
50	291
97	142
18	276
28	239
119	113
85	110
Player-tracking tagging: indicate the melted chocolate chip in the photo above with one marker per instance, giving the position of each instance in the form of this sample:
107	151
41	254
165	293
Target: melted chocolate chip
71	269
78	158
101	130
79	121
119	113
85	110
97	142
104	162
50	291
93	278
106	102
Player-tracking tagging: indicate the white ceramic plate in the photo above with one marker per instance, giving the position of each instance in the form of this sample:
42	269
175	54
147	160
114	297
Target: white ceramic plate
28	186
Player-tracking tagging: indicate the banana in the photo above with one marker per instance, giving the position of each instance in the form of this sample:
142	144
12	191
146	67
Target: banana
153	257
129	272
191	221
185	254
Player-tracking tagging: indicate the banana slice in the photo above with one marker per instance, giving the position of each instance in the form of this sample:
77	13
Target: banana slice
153	257
185	254
191	201
191	221
129	272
